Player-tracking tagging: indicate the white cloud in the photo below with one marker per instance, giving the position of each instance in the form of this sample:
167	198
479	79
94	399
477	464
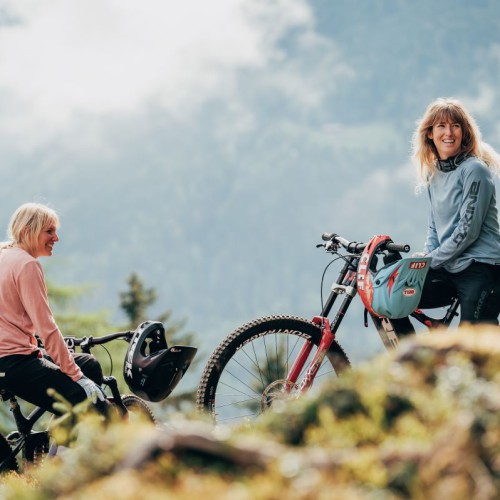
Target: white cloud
483	102
61	58
381	191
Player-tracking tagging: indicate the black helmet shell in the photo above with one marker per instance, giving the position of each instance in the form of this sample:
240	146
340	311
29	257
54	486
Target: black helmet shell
151	369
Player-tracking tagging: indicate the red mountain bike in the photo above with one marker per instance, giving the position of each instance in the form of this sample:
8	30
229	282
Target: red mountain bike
278	357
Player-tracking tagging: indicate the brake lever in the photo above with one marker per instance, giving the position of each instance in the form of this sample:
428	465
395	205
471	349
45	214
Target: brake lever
329	246
333	246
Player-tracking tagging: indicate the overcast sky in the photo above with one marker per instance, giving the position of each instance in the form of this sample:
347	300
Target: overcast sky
62	60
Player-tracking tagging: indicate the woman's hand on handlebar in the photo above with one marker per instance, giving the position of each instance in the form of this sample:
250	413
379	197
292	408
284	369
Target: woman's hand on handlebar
92	390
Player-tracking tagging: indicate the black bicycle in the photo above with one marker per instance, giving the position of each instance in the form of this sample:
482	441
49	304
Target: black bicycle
34	445
278	357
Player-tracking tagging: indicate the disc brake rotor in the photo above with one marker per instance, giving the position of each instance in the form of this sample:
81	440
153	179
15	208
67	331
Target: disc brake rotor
279	390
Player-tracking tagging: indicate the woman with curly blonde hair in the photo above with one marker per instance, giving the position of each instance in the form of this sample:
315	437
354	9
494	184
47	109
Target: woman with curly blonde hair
457	171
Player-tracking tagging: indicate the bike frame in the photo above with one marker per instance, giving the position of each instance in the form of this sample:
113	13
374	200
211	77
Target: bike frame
24	438
346	285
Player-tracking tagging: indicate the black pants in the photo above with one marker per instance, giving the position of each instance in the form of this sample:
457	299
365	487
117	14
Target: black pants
477	287
29	377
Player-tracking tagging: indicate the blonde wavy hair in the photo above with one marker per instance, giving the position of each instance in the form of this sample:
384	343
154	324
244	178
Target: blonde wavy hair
446	109
26	224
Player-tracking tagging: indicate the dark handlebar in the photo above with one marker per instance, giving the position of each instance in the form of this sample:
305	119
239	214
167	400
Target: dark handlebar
354	247
395	247
91	341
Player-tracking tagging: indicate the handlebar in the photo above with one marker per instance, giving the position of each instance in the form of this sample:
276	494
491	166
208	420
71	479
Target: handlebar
350	246
88	342
398	247
357	248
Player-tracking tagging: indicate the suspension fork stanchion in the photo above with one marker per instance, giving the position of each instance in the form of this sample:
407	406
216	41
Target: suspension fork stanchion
327	338
346	277
298	364
325	343
345	284
347	272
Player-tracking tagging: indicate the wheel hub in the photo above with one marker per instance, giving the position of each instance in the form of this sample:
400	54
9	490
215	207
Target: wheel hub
279	390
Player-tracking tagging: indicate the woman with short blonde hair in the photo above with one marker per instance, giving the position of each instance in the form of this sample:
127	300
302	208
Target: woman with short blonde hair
27	222
25	313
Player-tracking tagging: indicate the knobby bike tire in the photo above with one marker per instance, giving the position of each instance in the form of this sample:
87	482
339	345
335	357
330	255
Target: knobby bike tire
138	408
248	370
34	453
7	463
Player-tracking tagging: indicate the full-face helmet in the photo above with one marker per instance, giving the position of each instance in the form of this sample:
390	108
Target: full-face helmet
394	290
152	369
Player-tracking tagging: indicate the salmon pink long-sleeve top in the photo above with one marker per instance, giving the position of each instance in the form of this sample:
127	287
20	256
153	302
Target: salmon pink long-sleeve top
25	310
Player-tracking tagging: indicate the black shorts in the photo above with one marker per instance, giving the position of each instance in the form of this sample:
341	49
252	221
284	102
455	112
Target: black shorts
29	377
477	287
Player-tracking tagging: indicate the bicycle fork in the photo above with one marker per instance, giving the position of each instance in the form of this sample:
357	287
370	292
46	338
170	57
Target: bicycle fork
327	338
344	285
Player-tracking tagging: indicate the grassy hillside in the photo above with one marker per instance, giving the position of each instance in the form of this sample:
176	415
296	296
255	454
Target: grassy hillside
422	423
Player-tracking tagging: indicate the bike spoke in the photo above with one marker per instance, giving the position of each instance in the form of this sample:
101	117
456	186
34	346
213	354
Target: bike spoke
238	391
251	371
246	369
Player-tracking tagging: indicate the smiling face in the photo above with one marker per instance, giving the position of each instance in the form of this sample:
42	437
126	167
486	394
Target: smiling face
447	137
46	240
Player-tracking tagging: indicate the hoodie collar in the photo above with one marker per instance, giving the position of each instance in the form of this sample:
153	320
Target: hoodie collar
452	162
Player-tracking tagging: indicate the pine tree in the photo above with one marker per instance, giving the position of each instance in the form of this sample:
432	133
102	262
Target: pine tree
136	300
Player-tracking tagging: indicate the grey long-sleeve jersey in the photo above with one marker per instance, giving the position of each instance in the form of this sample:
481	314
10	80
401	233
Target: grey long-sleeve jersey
463	217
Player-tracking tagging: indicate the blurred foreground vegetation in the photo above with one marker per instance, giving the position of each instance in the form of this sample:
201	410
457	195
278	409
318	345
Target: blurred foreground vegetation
421	423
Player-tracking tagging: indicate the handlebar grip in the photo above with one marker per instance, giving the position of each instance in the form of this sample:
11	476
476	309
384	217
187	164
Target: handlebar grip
395	247
356	247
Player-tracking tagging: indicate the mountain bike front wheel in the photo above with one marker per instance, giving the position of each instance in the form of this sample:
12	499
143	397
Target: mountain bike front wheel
138	409
247	372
